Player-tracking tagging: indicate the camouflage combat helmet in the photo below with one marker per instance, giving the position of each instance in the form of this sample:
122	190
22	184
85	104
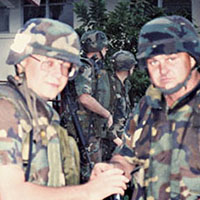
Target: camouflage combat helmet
167	35
123	60
45	37
93	41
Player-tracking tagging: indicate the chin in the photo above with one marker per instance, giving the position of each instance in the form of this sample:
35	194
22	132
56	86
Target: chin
48	97
52	97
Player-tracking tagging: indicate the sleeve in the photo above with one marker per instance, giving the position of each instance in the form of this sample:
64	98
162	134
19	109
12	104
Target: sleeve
10	139
129	136
103	89
83	81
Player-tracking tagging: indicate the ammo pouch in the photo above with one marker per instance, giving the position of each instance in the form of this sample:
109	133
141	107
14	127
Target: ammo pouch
70	157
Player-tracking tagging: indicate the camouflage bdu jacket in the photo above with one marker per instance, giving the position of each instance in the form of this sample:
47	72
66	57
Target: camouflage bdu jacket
120	104
165	147
95	83
55	156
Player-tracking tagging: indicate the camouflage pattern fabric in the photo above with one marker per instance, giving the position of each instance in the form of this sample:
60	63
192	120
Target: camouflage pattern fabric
45	37
167	35
165	147
121	106
93	125
49	142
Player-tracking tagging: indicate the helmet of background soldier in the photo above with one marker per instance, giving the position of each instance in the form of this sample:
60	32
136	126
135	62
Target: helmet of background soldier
93	41
46	37
167	35
123	60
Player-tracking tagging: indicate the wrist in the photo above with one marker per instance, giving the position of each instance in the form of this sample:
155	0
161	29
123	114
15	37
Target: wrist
109	115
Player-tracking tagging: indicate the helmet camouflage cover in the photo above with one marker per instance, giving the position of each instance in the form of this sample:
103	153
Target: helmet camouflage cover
123	60
167	35
93	41
45	37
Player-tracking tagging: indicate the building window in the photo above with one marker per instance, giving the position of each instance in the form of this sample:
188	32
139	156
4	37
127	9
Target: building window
61	10
4	25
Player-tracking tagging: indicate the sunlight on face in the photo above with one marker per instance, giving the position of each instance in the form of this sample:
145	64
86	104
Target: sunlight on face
47	77
166	71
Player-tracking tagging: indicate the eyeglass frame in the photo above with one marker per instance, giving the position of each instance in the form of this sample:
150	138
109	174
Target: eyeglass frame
69	70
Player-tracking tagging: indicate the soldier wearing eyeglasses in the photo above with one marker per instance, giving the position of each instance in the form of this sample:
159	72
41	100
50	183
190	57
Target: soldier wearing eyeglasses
38	160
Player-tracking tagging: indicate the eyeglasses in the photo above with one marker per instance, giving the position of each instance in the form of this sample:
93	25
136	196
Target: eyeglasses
48	64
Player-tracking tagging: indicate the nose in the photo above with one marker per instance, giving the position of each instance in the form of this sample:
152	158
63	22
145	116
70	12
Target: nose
56	70
163	68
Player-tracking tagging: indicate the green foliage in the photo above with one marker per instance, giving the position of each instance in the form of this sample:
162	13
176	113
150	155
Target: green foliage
98	14
81	11
122	26
126	20
140	81
93	16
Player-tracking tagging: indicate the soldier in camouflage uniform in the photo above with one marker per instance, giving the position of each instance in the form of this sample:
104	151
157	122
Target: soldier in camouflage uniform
163	153
93	97
123	64
35	151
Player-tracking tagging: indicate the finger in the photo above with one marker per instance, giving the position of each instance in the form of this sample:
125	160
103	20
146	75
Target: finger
100	168
113	171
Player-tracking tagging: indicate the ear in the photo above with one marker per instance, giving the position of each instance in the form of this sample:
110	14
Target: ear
21	66
192	62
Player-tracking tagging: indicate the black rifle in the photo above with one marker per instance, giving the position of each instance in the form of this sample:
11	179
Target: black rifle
73	109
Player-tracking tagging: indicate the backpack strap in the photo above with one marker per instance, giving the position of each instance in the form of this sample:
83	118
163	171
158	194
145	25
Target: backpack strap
113	98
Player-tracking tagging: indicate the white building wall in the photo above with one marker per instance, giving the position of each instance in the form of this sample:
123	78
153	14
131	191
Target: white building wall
15	22
6	40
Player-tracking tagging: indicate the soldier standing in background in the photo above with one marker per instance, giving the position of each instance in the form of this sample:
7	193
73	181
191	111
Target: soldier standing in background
123	63
93	98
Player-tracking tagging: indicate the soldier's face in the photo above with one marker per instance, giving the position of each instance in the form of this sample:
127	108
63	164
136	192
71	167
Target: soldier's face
46	76
166	71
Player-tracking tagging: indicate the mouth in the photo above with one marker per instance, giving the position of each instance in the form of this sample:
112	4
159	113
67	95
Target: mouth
166	80
55	85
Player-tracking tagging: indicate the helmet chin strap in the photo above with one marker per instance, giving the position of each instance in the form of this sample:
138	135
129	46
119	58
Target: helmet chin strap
178	86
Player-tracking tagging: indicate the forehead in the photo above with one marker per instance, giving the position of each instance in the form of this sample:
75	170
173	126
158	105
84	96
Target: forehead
163	56
43	58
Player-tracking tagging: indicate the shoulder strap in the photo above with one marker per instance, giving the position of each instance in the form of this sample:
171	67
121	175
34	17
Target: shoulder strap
112	92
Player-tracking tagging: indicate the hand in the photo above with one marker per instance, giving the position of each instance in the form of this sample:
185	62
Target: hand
100	168
110	121
106	183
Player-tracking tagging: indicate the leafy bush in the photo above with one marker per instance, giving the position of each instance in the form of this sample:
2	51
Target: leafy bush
122	26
